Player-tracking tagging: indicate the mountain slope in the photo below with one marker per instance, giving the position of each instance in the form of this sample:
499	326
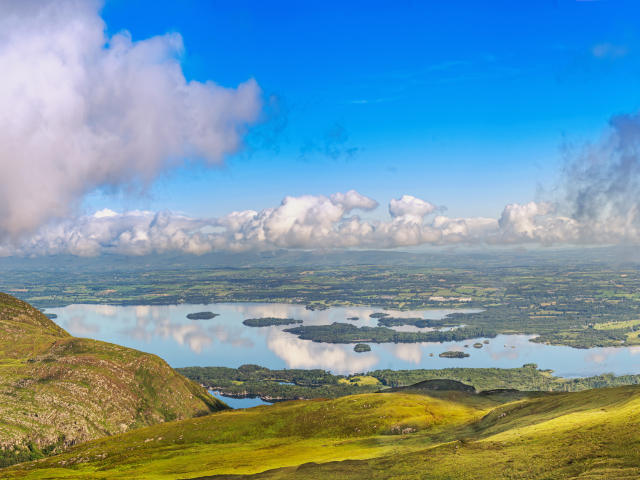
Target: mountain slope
441	435
57	390
247	441
588	435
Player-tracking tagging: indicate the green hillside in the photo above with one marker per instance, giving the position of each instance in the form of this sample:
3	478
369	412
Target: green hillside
413	433
57	390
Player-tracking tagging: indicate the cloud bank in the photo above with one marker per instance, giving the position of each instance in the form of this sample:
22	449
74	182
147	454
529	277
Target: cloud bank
601	206
304	222
81	110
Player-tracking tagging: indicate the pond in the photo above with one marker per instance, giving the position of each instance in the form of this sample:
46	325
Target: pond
225	341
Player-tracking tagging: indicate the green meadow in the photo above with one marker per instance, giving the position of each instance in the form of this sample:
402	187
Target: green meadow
411	433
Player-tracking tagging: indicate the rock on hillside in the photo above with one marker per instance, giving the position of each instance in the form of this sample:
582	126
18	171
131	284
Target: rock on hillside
57	390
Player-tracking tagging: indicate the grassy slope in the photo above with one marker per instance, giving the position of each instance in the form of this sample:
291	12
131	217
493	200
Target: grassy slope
57	390
409	434
586	435
249	441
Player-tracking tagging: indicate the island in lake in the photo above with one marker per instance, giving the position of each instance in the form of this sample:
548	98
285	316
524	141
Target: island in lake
361	348
349	333
452	354
202	315
270	322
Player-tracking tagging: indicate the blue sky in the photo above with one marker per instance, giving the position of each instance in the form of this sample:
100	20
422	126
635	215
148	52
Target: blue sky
465	104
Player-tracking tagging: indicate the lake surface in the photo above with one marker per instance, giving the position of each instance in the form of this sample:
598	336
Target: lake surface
225	341
239	402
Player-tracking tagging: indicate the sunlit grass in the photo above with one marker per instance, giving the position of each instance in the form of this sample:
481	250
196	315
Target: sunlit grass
257	439
616	325
591	434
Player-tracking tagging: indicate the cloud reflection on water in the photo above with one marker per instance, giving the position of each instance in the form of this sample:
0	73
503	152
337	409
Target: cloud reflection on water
409	352
306	354
80	327
225	341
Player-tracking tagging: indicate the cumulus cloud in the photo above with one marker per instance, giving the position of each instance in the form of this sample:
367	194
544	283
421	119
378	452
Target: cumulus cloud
352	200
537	222
82	110
411	208
336	222
304	222
307	221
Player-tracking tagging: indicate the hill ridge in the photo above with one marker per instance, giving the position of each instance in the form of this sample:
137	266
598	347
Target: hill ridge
57	390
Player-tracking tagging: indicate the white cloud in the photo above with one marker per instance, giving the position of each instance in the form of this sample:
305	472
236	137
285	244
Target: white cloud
537	222
411	208
308	222
81	111
352	200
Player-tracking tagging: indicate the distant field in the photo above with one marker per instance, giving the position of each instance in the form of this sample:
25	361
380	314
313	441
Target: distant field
580	305
617	325
292	384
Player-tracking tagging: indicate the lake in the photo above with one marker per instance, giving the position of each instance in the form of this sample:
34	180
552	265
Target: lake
234	403
225	341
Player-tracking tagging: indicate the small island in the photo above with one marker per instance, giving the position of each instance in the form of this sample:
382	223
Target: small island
353	319
202	315
361	347
452	354
51	316
269	322
477	345
379	315
316	306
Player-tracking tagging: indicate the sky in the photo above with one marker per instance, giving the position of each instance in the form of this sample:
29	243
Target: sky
466	104
485	122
